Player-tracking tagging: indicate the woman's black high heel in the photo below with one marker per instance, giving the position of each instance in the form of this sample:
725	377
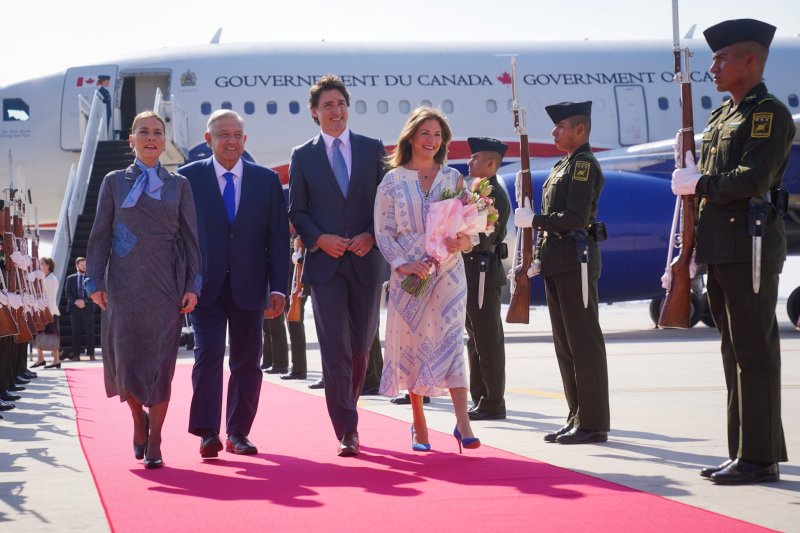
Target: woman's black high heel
140	449
470	442
54	365
37	364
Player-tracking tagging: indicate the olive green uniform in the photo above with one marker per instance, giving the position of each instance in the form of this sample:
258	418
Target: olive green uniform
569	203
485	344
744	155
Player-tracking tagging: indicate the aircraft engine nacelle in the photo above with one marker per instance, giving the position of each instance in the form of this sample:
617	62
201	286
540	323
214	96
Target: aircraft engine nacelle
637	210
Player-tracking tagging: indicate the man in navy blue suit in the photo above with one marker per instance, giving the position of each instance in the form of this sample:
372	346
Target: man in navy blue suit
332	182
244	241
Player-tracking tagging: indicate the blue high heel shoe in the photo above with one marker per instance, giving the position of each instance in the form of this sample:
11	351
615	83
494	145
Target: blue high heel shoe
470	442
418	446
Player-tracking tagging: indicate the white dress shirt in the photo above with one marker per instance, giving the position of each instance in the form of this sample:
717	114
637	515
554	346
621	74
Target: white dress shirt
50	291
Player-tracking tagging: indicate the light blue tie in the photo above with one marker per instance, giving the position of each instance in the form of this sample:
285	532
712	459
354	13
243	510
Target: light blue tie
340	167
147	182
229	196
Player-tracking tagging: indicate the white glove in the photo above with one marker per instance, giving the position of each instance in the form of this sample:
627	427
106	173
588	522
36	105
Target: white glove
535	268
296	256
677	149
684	180
523	216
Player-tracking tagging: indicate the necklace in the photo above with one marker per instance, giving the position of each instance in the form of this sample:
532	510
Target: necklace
426	178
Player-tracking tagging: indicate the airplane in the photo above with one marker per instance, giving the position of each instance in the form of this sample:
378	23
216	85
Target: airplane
635	103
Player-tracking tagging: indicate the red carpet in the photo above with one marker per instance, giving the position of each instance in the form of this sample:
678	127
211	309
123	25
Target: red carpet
297	483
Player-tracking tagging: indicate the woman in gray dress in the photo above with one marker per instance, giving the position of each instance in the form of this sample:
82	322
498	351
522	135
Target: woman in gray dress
143	270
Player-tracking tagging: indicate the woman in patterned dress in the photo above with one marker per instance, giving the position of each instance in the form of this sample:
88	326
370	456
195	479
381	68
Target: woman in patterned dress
143	270
424	334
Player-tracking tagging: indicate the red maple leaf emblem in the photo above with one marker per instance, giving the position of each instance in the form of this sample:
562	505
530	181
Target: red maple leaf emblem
89	81
505	79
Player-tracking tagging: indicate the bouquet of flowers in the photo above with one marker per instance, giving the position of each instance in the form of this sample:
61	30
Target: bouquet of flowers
468	211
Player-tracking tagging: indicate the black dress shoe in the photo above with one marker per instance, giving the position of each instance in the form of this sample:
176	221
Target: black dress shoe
16	388
19	380
294	375
151	464
370	391
348	446
551	437
6	406
741	472
240	445
319	384
405	399
28	374
210	446
53	365
276	370
480	414
37	364
582	436
706	472
8	397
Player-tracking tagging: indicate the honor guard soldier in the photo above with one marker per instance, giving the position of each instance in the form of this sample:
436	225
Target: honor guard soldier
485	278
741	237
568	257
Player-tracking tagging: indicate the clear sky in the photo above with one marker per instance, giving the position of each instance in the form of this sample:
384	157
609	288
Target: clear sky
43	36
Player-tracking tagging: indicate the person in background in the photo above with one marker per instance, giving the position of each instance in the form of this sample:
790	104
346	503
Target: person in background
49	339
81	312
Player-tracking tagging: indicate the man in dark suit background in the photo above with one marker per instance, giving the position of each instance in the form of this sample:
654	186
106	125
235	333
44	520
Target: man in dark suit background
244	241
486	350
332	182
81	312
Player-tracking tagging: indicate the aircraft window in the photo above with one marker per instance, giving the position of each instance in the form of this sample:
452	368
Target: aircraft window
794	101
226	105
361	107
249	108
15	109
706	102
426	103
447	106
491	106
383	107
294	107
272	107
404	106
663	103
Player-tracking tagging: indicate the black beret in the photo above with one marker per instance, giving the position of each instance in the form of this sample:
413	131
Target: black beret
103	77
738	30
559	112
486	144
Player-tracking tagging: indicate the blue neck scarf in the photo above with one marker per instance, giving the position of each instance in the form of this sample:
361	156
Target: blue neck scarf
147	182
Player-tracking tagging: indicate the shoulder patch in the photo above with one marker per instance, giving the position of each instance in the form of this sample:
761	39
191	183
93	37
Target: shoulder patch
581	171
762	126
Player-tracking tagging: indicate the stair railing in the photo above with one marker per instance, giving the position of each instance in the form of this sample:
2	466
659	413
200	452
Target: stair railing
177	122
77	184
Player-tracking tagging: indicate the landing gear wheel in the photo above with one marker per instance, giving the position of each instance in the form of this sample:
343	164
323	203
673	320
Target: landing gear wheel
695	309
655	309
793	306
706	316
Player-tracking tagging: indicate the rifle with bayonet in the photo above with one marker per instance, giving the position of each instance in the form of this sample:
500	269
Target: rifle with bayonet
676	310
519	307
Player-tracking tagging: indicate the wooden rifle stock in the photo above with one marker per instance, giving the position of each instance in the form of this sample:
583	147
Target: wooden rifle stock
519	306
676	311
24	334
296	297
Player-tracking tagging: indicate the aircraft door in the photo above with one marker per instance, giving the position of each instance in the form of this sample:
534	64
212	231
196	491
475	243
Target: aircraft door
631	115
82	81
138	94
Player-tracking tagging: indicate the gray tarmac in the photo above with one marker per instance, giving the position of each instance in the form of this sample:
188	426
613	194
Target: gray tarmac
667	419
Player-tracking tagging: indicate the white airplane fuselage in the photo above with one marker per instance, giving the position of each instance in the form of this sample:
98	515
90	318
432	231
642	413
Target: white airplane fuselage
630	84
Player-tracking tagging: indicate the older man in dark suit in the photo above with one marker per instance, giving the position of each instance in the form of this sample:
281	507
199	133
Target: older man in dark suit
244	241
333	179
